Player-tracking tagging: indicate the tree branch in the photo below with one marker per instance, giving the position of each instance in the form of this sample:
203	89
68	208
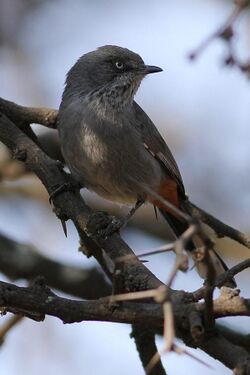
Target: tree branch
237	338
37	301
20	261
145	343
228	275
28	115
69	204
220	228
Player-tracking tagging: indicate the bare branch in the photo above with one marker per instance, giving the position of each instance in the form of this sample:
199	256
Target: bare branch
27	115
229	304
146	347
220	348
38	300
220	228
20	261
228	275
69	204
237	338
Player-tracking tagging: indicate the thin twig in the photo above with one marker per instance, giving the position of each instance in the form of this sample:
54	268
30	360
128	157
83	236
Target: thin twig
179	350
131	296
158	250
169	331
163	295
222	31
220	228
229	274
11	322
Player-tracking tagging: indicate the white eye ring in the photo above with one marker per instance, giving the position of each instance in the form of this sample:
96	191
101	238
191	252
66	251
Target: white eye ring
119	65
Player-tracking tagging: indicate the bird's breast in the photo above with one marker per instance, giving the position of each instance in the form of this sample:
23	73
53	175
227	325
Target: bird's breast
109	157
93	147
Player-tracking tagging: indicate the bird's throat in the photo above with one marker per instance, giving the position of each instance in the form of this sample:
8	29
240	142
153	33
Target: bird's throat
113	97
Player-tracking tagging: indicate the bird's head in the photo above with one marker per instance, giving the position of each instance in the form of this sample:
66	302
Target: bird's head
113	71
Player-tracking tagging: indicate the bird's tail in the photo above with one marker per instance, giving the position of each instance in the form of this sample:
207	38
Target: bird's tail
179	226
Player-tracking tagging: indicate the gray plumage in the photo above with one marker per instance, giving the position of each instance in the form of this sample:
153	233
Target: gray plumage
103	131
109	143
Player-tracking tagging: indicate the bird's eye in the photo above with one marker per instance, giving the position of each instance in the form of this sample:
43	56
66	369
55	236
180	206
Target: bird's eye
119	65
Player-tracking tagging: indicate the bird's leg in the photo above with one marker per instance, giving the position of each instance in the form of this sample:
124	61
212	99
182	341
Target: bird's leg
105	225
133	210
70	185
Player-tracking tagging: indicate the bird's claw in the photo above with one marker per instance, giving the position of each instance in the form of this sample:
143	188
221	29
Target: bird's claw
67	186
103	225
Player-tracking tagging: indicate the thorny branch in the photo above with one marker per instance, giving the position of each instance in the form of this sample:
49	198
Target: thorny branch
38	300
69	204
179	307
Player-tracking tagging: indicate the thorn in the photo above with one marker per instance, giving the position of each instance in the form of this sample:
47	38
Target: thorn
153	362
158	250
188	353
156	213
64	226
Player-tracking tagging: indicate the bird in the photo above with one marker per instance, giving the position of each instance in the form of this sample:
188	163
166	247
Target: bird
110	144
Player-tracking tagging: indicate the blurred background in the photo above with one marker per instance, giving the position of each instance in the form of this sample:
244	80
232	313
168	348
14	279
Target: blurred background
202	110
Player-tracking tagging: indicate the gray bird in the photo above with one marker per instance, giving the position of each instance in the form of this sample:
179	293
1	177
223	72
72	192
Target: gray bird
110	144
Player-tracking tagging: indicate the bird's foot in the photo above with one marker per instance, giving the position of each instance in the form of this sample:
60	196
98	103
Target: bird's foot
70	185
103	225
60	189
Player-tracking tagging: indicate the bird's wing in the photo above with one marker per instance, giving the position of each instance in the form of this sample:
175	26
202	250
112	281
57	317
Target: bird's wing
156	145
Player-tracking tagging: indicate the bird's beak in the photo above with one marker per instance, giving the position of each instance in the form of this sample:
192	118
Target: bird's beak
152	69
